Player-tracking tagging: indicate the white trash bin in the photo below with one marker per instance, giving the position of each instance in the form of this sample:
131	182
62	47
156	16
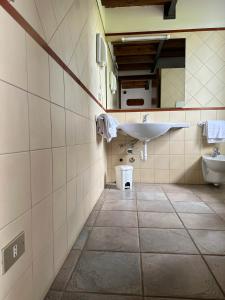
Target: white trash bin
124	177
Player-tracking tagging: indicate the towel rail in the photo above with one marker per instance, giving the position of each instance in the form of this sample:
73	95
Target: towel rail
201	123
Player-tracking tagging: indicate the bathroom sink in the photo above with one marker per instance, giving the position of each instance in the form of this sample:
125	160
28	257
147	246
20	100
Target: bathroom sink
146	132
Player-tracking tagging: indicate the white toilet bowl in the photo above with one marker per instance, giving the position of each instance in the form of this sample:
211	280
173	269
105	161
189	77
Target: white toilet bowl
213	169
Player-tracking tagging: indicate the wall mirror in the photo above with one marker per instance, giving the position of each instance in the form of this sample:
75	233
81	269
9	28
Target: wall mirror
174	70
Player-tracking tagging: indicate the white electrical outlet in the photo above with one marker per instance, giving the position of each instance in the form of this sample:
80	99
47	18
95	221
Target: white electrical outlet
15	251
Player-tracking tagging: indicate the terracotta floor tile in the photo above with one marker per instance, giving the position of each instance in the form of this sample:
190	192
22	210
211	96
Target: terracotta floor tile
173	275
120	205
159	220
202	221
166	241
107	272
154	206
117	218
209	242
217	265
114	239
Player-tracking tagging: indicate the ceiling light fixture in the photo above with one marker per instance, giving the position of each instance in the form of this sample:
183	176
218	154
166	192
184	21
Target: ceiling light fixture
145	38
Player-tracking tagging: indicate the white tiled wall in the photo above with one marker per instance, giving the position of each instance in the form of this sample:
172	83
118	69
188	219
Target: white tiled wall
172	86
48	147
172	158
205	68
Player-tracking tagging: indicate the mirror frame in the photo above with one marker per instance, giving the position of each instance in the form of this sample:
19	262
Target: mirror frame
115	35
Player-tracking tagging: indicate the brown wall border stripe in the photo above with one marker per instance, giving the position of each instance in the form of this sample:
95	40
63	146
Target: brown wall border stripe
164	109
33	33
164	31
42	43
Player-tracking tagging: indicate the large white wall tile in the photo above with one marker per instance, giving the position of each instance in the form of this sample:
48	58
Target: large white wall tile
61	8
57	93
55	219
71	162
38	69
43	273
14	126
60	247
71	196
28	9
40	123
71	128
47	17
15	196
59	208
22	290
59	167
58	126
42	226
13	65
7	234
75	98
41	174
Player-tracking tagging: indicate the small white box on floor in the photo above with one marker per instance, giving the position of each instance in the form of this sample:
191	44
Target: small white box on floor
124	177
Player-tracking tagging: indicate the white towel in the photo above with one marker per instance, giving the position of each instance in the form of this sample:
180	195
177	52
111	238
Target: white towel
107	126
113	83
214	131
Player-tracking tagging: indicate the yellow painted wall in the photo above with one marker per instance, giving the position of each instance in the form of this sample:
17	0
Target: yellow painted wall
190	14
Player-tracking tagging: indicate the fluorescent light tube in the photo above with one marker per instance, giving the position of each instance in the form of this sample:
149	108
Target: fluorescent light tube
145	38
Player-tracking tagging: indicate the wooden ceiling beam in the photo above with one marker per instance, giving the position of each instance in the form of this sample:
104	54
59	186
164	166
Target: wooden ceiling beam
145	56
159	50
134	59
170	10
169	5
134	67
125	3
137	77
135	84
129	50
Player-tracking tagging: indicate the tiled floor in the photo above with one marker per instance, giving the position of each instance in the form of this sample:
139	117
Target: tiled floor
156	242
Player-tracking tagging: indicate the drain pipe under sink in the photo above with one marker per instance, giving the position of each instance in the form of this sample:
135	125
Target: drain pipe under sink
144	153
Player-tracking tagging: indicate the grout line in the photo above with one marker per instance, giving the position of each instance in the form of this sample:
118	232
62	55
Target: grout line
40	20
44	45
141	264
150	252
145	227
60	22
131	296
108	294
82	250
46	148
85	249
201	255
208	204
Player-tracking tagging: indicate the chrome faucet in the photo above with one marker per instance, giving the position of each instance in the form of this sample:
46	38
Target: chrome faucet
215	152
145	118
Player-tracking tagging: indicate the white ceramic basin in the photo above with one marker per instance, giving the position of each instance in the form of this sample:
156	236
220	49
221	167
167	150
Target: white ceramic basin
215	163
149	131
213	169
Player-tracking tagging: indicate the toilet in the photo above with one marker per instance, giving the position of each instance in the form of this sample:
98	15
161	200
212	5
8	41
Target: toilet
213	169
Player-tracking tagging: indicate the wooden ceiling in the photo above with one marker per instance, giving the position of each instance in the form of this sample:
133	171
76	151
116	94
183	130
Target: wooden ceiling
169	5
133	56
135	84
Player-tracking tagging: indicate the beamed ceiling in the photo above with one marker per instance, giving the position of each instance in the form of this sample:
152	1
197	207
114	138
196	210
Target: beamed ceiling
133	56
169	5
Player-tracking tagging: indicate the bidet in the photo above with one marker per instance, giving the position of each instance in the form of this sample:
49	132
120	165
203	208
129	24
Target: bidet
213	168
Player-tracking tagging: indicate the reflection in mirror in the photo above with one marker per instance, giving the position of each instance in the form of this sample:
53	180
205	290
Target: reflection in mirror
148	69
172	87
186	70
